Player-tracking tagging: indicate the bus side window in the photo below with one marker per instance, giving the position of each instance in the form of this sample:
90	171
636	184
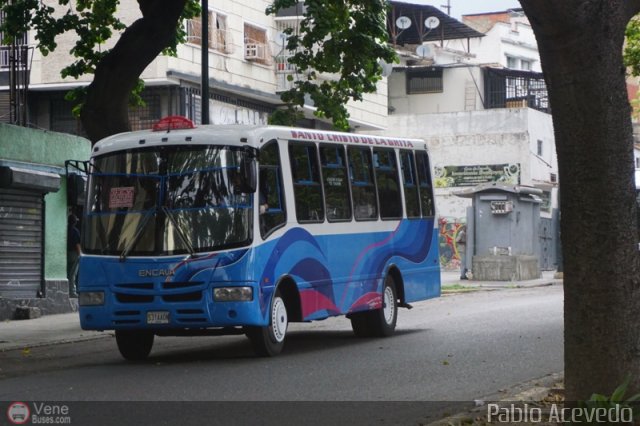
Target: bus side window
307	190
362	185
426	188
409	180
334	178
386	170
271	194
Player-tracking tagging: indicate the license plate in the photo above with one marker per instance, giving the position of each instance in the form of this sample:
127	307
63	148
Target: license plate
158	317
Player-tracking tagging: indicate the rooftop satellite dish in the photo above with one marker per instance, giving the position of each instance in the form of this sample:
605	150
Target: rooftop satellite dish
387	68
431	22
403	22
424	51
281	39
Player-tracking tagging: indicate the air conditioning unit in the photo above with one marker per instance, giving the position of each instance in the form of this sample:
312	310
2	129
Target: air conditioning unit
253	51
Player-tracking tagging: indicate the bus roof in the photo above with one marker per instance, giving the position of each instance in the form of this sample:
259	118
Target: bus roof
242	135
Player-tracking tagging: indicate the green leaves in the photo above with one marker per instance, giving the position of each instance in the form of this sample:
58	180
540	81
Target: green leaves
94	23
617	398
632	46
336	53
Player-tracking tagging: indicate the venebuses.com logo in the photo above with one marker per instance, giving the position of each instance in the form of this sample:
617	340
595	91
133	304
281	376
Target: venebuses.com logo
18	413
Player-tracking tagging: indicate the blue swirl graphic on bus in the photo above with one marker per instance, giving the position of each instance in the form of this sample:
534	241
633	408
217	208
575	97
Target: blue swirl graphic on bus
358	284
187	269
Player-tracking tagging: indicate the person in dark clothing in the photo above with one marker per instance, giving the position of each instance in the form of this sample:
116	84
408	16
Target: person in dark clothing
73	254
461	242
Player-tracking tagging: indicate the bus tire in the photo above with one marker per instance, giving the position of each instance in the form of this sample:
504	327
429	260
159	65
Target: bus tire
378	322
134	345
268	341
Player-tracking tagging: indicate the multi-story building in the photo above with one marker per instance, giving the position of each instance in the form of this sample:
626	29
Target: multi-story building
475	93
247	68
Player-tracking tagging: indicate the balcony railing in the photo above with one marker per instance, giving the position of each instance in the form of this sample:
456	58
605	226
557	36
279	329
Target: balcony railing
505	88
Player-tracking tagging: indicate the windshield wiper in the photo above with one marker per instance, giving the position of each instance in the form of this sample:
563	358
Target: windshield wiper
141	225
183	237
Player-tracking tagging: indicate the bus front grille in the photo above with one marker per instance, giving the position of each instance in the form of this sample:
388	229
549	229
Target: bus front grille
193	296
133	298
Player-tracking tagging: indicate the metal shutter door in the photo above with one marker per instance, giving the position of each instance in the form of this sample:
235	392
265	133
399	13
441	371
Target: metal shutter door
20	243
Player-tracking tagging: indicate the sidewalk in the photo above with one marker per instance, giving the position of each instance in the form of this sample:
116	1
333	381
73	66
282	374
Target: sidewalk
46	330
64	328
452	279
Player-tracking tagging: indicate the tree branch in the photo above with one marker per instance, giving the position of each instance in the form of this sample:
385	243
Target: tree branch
105	109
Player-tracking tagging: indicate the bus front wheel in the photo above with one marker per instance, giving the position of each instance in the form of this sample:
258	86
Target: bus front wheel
269	341
134	345
379	322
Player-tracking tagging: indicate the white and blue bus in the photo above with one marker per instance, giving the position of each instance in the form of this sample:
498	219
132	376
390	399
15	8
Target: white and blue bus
243	229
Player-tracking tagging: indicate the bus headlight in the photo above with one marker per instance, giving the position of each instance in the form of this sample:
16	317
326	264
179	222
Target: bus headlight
91	298
233	294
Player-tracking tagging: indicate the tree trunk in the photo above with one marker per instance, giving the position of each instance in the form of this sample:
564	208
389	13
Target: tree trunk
580	44
105	111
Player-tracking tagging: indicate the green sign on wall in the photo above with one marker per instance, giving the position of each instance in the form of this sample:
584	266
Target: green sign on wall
458	176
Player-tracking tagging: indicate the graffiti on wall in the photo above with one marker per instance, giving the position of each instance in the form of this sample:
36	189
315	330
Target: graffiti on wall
451	241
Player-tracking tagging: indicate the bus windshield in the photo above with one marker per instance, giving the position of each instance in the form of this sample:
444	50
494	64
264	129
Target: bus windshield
167	200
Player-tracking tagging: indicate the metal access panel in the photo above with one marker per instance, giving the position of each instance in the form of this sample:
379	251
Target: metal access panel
547	245
21	242
507	224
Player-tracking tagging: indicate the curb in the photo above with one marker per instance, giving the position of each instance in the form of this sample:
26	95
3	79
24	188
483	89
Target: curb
469	288
531	391
23	346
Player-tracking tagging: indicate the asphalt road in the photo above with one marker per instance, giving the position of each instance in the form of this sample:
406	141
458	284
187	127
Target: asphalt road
456	348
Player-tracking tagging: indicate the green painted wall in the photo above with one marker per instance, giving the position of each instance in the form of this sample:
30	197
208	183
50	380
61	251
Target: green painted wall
49	149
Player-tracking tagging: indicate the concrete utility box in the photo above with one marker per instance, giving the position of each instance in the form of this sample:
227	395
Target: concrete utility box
504	242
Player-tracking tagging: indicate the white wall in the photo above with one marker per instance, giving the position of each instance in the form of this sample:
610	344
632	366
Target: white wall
488	137
516	39
462	90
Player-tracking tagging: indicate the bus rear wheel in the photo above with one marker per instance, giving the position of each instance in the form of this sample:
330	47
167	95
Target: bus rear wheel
134	345
269	341
379	322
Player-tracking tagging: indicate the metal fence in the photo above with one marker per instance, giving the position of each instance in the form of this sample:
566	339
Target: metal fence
506	88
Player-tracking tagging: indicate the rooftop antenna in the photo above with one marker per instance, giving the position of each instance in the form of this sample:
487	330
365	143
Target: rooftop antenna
447	7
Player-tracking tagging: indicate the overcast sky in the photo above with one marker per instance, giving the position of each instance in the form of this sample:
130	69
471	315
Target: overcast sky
466	7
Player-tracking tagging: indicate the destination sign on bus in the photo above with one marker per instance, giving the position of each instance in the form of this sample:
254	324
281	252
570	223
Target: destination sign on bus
362	139
121	197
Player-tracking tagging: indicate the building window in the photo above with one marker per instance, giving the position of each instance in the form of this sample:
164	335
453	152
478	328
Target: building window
5	48
540	148
519	64
61	118
256	48
143	117
428	80
219	37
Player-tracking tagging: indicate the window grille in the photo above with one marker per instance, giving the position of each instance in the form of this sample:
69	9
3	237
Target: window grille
428	80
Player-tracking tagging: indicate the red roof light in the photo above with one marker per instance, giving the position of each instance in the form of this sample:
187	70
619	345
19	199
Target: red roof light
173	122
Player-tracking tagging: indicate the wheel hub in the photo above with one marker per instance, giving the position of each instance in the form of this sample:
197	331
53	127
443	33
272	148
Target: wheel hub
279	320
